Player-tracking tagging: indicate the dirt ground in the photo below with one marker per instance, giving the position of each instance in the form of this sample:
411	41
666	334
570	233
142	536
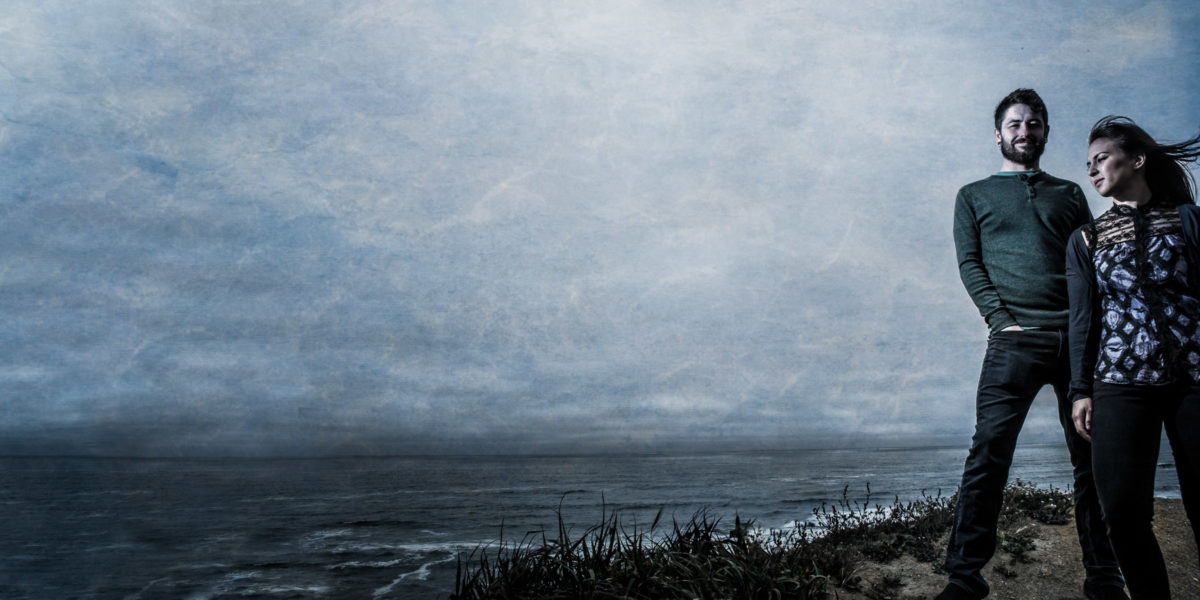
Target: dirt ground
1054	570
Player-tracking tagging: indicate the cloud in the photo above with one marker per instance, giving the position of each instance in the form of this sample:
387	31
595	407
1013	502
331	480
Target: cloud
270	228
1113	41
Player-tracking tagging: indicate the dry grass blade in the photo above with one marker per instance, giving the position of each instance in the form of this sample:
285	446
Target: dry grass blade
698	559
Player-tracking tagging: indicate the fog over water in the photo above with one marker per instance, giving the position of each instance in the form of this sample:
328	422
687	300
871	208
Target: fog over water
370	227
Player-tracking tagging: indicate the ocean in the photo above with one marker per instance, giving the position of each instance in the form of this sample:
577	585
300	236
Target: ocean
394	527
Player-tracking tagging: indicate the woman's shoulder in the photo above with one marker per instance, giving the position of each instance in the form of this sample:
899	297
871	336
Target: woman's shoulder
1189	220
1082	239
1189	211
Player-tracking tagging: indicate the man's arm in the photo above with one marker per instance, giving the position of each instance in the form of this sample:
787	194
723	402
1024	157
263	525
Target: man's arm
972	270
1085	212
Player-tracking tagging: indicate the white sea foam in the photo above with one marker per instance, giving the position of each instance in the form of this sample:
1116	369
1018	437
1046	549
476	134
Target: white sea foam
204	566
290	589
253	583
329	533
869	515
414	548
138	594
366	564
421	574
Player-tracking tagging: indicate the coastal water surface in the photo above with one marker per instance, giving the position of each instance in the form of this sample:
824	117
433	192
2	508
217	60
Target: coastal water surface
394	527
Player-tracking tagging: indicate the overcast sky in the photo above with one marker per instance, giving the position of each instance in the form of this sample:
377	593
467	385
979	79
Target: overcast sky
257	227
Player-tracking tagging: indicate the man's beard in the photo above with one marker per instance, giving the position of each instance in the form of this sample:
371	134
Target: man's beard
1032	152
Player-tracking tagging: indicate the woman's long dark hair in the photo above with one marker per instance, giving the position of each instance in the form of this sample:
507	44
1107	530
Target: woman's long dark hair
1170	182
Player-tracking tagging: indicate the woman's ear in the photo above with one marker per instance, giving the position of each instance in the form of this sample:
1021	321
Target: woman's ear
1139	161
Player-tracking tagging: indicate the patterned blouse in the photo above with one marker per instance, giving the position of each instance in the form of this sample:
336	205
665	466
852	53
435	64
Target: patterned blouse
1149	321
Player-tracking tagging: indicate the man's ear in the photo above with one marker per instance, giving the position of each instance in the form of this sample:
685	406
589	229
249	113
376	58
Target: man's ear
998	138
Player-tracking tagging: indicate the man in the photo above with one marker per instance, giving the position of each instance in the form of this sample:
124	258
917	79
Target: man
1010	232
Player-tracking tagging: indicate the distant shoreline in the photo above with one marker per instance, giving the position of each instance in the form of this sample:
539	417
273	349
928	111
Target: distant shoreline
517	455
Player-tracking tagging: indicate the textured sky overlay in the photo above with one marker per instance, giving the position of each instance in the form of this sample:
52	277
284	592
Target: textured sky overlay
374	227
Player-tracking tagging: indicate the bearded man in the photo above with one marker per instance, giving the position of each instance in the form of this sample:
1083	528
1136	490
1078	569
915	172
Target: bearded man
1010	234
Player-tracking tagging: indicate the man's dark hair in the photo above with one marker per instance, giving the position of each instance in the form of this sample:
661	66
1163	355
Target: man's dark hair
1024	96
1170	183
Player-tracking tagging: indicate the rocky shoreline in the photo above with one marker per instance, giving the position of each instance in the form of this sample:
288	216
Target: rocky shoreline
1050	570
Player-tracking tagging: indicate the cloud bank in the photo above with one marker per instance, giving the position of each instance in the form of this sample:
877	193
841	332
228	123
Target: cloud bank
375	227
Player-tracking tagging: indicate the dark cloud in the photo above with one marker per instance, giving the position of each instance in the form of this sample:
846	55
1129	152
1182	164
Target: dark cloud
367	228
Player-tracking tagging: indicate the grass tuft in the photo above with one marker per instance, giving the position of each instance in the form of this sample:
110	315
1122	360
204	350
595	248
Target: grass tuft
703	558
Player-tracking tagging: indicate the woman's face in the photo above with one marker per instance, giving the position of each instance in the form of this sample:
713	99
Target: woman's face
1110	168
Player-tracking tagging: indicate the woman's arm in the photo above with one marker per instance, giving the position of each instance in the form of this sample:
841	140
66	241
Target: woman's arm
1189	215
1082	334
1082	329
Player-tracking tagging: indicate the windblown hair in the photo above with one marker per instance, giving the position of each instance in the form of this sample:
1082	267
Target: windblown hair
1171	184
1024	96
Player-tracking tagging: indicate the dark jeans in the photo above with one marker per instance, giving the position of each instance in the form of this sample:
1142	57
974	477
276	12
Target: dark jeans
1127	423
1016	366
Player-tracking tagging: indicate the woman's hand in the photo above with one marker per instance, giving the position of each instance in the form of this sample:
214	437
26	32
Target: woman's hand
1081	414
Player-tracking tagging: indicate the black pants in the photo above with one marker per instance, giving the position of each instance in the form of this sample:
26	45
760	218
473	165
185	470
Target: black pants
1016	366
1127	423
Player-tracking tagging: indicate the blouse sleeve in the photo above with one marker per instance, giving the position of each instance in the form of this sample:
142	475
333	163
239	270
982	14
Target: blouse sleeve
1083	333
1190	216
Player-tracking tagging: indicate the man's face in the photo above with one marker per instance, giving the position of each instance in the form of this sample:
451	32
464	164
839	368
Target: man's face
1022	135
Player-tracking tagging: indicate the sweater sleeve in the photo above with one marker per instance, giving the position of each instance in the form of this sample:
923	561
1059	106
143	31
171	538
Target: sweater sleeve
971	268
1085	211
1083	334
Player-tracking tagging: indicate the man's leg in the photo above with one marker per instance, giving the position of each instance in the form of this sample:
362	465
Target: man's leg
1099	562
1001	404
1127	423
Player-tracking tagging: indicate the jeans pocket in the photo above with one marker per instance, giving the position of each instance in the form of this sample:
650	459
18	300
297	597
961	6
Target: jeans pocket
1005	360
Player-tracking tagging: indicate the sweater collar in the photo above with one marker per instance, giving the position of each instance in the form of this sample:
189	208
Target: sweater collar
1022	174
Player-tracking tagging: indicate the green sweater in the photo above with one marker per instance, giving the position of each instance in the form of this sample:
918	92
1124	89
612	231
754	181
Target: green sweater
1010	232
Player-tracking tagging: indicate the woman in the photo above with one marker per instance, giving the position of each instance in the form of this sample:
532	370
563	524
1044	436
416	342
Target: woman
1133	277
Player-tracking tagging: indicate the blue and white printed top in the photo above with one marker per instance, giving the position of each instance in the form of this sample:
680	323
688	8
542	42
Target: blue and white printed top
1129	291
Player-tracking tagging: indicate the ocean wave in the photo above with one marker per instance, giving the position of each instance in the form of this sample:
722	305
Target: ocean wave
807	500
253	583
411	548
106	547
328	533
367	564
381	523
118	493
330	497
422	573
